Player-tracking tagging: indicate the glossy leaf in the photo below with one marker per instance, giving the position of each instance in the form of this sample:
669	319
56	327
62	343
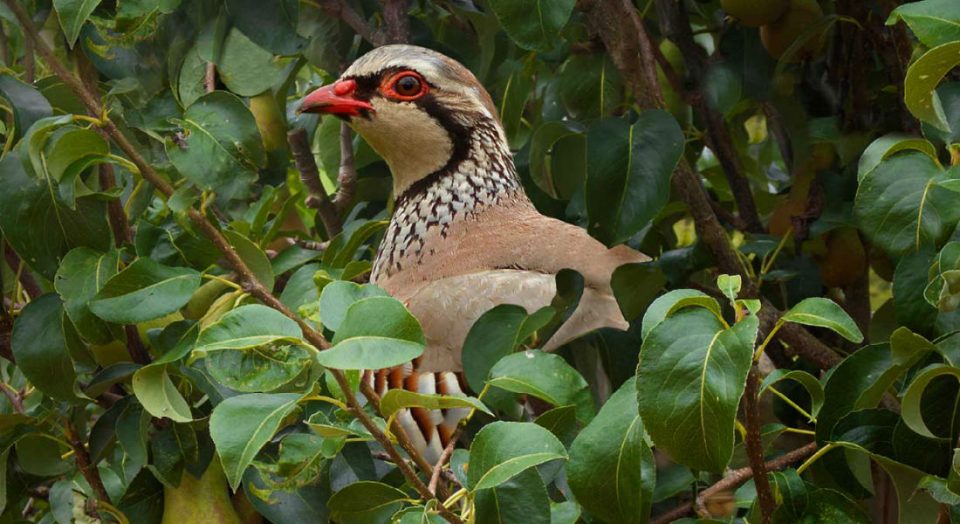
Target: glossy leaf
82	274
366	502
339	295
900	206
502	450
536	25
247	327
912	397
73	14
496	334
143	291
240	426
222	147
396	399
158	394
690	378
545	376
28	104
377	332
39	346
628	172
823	312
920	84
611	469
933	22
810	383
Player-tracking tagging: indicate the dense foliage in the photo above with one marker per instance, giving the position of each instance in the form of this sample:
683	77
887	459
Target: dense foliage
185	311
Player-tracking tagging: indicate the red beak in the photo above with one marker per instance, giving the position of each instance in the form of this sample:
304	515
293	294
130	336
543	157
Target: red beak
335	99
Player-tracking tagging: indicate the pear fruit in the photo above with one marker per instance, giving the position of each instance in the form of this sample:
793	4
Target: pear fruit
206	499
779	35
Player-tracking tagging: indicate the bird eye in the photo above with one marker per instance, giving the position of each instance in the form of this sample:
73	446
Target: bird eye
408	86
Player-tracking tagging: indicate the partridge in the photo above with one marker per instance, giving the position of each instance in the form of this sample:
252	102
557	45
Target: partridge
463	237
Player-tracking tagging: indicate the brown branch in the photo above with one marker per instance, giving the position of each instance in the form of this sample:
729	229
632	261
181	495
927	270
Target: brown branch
779	132
444	457
754	445
347	175
6	331
26	278
317	197
14	396
396	27
135	347
29	59
619	26
675	25
342	10
87	469
245	275
734	480
210	78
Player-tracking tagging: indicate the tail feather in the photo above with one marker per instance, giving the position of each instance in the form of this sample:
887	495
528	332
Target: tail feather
430	430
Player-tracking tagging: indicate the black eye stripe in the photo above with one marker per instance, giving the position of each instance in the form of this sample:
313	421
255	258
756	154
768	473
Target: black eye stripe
367	85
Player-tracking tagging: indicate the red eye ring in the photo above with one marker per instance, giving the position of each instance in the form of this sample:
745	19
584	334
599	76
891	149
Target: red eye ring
404	86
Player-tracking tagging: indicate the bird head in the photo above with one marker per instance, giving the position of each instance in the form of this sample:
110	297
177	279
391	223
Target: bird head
417	108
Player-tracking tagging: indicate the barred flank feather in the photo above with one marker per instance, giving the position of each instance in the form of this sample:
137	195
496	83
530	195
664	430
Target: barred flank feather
430	430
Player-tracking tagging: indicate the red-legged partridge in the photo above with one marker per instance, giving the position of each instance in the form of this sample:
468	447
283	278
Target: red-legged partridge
464	237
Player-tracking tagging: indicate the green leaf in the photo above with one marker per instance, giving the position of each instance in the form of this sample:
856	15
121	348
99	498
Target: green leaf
533	25
262	368
222	148
377	332
366	502
809	382
40	349
823	312
396	399
501	450
520	500
922	79
73	14
628	172
544	140
246	68
611	469
662	306
27	103
254	257
934	22
636	286
496	334
900	205
271	25
379	317
240	426
39	224
247	327
729	285
368	352
143	291
690	378
545	376
158	395
81	274
913	396
889	145
339	295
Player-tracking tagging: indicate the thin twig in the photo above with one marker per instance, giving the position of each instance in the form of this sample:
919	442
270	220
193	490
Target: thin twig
444	457
135	347
29	60
13	396
244	273
675	25
4	47
210	78
26	277
317	197
396	27
342	10
754	445
347	175
734	480
779	132
87	469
